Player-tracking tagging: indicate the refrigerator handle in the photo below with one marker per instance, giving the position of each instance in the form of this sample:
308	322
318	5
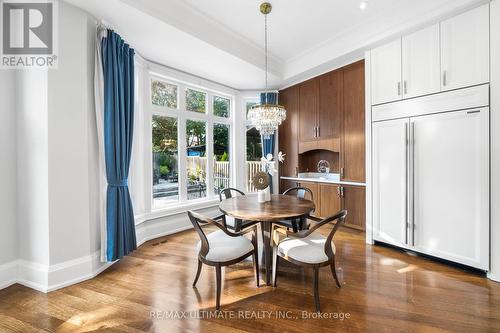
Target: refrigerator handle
412	182
407	222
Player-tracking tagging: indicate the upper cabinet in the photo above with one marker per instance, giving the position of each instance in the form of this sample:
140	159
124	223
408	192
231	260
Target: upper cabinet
465	49
308	110
330	105
320	105
386	73
450	55
420	55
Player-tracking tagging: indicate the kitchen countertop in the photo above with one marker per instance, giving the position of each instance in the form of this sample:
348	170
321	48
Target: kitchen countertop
325	180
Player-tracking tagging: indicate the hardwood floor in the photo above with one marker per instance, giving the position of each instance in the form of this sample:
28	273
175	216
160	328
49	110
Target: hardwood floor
383	290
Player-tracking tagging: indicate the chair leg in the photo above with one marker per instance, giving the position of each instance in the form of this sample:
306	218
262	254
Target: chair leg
275	265
294	226
218	278
334	273
316	289
255	258
197	272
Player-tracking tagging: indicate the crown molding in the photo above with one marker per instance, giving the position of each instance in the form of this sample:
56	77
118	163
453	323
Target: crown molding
190	20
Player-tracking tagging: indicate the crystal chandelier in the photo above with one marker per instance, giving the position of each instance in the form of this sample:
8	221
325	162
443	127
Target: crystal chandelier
266	117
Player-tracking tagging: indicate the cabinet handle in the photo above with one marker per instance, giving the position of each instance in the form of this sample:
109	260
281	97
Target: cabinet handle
315	132
399	88
338	191
444	78
405	87
342	191
342	173
318	131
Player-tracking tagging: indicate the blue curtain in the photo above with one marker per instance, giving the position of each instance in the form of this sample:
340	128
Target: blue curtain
268	143
118	72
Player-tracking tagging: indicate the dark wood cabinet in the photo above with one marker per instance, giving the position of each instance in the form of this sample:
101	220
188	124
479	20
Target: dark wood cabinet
330	105
326	120
288	138
314	187
330	199
354	201
286	184
352	154
308	110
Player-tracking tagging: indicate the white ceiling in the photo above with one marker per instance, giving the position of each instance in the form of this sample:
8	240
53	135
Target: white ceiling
222	40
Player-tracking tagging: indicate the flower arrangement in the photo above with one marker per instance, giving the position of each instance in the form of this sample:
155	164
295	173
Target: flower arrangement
268	165
261	179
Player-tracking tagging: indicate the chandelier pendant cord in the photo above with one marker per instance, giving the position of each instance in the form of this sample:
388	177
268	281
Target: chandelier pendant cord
265	51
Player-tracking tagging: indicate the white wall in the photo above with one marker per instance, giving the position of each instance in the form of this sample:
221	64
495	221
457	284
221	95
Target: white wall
495	140
8	188
70	102
32	166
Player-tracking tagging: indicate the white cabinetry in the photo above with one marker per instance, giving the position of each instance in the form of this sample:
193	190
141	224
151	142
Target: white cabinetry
430	176
465	49
450	55
450	187
421	62
390	180
386	83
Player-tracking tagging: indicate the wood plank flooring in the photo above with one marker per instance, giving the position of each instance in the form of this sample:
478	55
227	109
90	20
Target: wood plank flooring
384	290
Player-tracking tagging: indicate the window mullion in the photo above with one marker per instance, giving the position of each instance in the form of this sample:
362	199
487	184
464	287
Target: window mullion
182	145
210	158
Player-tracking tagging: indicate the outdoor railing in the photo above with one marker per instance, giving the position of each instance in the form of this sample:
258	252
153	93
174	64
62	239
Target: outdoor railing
222	171
252	167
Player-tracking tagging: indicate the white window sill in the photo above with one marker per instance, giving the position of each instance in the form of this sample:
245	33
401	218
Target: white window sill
175	209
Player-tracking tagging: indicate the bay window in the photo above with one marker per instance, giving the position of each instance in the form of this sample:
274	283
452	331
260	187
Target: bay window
190	142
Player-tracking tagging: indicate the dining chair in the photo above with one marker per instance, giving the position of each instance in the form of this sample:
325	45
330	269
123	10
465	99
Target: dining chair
308	248
229	221
223	248
299	223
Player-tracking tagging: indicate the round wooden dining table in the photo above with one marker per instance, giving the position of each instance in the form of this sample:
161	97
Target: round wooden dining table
280	208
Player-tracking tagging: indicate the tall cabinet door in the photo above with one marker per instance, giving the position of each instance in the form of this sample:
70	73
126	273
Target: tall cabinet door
390	181
308	109
330	105
465	49
353	124
450	186
386	73
288	138
421	62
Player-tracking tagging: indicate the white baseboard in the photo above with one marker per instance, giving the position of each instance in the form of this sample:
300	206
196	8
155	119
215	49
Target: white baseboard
47	278
493	277
8	274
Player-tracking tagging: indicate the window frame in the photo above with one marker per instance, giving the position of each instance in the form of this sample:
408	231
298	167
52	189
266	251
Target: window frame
182	115
250	99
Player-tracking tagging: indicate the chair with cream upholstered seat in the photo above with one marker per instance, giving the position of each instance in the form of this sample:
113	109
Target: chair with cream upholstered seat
223	248
309	249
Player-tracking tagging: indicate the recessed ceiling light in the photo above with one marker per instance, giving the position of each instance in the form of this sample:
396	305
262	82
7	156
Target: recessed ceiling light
363	5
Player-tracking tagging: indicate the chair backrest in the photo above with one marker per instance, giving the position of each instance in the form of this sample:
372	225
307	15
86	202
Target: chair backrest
229	192
198	220
340	218
300	192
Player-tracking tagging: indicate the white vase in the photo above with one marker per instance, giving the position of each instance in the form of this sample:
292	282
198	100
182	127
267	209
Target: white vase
268	193
261	196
